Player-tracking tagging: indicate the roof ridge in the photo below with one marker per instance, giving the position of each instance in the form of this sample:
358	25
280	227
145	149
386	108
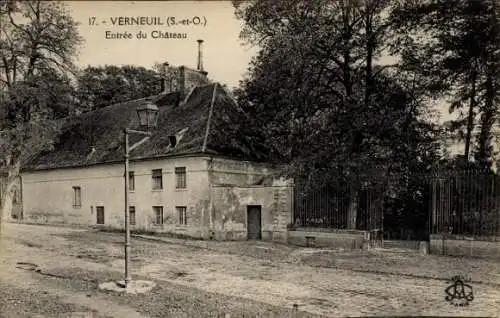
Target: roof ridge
205	117
206	85
224	97
122	102
207	131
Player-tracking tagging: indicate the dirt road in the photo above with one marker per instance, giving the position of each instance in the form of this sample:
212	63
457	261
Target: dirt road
212	279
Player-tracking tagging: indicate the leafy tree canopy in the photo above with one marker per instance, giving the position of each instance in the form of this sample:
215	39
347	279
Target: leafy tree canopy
318	98
106	85
39	41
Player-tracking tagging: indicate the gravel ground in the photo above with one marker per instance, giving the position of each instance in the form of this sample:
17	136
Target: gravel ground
203	278
166	299
410	264
35	302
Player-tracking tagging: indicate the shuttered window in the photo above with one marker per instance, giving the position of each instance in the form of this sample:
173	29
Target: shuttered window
77	197
181	212
157	176
158	211
180	176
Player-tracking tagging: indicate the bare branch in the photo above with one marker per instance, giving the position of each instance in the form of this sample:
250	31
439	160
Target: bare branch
19	27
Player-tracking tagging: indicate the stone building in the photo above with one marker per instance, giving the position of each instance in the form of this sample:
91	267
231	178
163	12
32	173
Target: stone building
197	175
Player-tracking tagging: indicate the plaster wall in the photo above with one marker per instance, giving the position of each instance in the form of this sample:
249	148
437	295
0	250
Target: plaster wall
217	196
239	184
230	205
48	195
239	173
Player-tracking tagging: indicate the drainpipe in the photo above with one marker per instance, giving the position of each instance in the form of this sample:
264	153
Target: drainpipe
211	203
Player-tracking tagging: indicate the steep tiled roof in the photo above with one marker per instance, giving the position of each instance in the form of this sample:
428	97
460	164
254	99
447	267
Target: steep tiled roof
205	123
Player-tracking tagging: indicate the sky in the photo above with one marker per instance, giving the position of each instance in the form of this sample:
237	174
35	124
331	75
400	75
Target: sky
225	57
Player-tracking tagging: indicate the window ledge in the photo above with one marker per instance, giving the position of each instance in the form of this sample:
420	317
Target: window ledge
181	189
156	190
77	206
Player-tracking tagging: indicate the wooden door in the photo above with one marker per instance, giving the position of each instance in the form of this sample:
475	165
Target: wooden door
100	214
254	231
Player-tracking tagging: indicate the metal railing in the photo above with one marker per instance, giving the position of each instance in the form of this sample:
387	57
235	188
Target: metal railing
465	203
462	202
329	208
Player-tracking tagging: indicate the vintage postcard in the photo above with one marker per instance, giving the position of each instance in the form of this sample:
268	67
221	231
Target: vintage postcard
288	158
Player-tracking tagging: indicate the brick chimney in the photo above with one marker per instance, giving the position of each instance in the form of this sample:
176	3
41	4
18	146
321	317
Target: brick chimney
183	79
166	83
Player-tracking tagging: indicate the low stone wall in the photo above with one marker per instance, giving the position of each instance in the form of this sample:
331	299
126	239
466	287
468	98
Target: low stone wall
347	239
274	236
67	225
459	245
402	244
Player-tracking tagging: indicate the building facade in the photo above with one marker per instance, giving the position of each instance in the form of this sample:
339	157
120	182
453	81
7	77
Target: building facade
197	175
197	196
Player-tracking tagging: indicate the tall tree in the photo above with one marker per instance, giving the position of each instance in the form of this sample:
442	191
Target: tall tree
38	41
455	45
491	83
106	85
317	95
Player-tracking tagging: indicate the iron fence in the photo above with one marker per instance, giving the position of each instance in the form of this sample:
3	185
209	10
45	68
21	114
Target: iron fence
466	203
330	208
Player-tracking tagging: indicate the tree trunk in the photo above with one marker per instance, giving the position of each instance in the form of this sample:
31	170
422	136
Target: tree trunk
484	154
370	46
470	120
7	185
7	201
353	209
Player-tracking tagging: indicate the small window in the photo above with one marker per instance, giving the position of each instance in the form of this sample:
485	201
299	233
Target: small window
131	210
181	211
180	176
158	210
157	179
77	197
173	141
131	181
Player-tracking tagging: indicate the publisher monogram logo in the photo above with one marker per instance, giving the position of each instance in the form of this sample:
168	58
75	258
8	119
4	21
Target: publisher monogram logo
459	293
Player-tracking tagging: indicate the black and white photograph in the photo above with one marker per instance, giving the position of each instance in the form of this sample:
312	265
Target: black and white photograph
249	158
